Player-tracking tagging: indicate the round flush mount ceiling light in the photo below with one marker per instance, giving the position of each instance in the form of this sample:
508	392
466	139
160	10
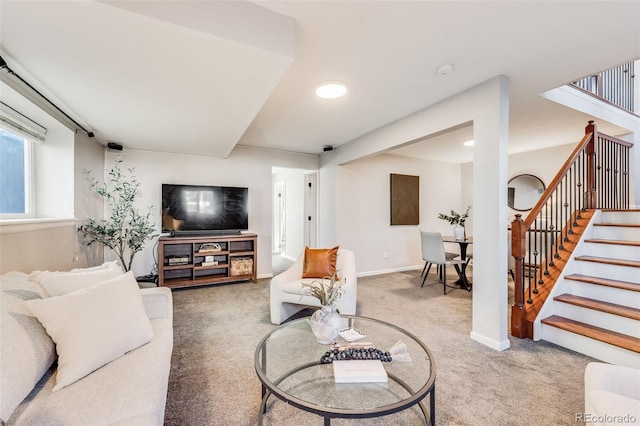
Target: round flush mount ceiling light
445	69
468	143
331	90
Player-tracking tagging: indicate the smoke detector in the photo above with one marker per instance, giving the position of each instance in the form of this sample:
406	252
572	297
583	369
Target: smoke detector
444	69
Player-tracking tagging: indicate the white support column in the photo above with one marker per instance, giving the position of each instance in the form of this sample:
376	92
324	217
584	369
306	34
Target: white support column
490	166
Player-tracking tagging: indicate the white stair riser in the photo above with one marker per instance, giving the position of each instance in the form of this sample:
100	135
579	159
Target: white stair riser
603	293
616	233
601	270
613	251
632	217
604	320
590	347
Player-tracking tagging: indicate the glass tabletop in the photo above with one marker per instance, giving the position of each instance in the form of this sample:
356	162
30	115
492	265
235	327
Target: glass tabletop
288	363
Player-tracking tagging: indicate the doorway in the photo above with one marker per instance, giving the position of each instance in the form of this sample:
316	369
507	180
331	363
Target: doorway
294	215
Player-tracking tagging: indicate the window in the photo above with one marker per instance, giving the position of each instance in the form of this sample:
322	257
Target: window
15	175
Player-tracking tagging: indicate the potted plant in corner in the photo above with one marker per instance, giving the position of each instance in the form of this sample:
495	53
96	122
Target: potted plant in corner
126	231
457	220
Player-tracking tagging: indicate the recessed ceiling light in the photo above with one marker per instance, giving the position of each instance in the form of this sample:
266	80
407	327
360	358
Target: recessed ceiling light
331	90
468	143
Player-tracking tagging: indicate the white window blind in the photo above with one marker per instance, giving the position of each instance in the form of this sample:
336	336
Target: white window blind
12	121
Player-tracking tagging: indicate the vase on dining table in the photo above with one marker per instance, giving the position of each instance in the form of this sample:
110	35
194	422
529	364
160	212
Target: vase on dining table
458	232
325	324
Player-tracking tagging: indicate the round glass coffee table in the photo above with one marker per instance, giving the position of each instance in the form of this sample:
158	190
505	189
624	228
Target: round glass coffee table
287	362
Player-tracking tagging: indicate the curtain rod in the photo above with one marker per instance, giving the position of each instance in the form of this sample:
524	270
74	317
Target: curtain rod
5	67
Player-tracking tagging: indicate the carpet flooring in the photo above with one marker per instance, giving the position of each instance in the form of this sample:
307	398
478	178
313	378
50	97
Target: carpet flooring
217	328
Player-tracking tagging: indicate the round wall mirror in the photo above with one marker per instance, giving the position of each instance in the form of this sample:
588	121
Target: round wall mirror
524	192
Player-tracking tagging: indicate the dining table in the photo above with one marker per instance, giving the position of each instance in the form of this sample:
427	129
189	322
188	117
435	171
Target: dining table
464	243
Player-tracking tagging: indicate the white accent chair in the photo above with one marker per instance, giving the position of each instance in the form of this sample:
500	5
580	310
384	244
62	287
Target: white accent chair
287	297
611	394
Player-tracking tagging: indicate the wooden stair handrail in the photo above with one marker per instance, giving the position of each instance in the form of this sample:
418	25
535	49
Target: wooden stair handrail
584	157
590	135
531	217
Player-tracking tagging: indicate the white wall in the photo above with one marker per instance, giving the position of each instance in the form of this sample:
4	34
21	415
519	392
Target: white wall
54	174
543	163
363	210
245	167
88	155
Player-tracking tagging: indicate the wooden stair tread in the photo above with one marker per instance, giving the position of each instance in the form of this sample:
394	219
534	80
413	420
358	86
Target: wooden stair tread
624	285
607	336
614	242
599	305
610	261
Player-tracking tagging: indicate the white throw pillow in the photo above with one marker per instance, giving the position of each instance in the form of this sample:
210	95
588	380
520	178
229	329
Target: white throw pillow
59	283
93	326
106	265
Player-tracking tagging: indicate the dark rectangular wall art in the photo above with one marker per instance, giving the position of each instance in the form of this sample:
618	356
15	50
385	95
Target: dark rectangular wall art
405	199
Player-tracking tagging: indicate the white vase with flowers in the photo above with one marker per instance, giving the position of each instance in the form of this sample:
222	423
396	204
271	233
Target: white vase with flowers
457	220
326	321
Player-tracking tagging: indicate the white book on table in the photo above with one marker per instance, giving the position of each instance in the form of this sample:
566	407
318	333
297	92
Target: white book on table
359	371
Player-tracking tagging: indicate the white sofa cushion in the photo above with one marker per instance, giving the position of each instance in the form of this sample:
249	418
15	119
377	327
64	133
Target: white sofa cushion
106	265
26	352
59	283
130	390
93	326
295	287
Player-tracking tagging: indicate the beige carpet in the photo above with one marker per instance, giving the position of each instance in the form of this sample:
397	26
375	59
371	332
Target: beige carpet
217	328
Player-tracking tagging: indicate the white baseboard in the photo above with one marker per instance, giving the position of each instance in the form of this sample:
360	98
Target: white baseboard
368	273
388	271
492	343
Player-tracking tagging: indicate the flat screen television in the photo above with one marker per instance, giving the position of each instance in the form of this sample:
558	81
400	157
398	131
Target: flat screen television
204	209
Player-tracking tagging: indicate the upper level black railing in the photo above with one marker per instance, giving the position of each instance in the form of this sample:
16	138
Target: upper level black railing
615	85
595	176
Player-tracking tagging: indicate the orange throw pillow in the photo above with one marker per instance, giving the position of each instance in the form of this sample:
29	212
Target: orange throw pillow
319	263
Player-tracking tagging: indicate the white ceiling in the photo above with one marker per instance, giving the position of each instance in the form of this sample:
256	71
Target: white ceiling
199	77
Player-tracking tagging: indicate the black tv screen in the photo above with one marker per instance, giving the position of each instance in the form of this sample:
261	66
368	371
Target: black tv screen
196	208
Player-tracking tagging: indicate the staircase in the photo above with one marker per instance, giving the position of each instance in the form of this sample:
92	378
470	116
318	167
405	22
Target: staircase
594	307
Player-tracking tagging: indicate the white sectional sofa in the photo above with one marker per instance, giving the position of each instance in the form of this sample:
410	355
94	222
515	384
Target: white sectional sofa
129	390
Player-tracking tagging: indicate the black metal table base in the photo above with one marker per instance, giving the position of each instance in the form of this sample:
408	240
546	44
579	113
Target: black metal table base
429	415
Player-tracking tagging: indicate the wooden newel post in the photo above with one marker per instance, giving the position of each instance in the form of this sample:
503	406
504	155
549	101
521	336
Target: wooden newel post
591	190
518	249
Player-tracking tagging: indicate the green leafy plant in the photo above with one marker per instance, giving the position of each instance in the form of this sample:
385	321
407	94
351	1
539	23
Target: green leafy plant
327	293
126	231
455	218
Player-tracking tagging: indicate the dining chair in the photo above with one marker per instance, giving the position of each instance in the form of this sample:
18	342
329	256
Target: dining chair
433	253
449	255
